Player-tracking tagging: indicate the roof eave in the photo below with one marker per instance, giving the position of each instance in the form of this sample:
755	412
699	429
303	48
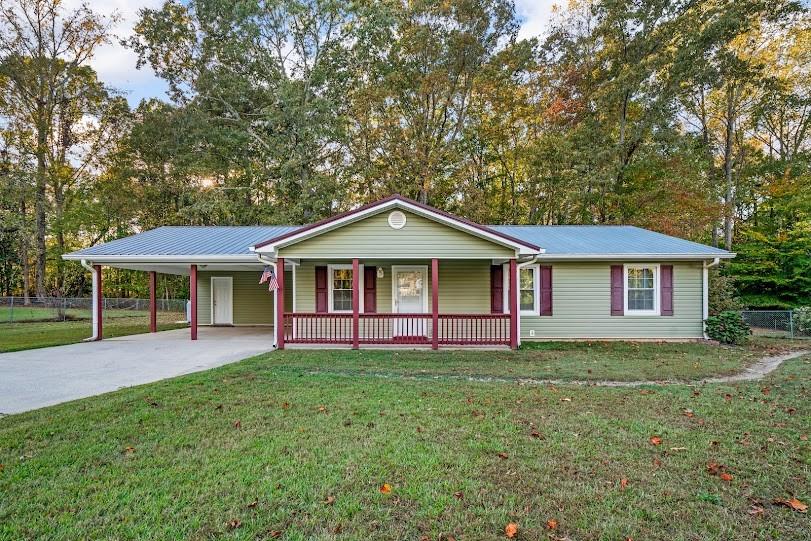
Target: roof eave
638	256
190	259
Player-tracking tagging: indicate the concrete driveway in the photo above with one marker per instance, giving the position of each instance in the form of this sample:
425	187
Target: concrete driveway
41	377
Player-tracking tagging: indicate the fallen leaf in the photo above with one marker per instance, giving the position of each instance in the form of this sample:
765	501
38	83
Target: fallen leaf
234	523
794	504
535	434
765	390
566	399
322	409
688	413
623	483
129	450
385	488
237	424
253	504
511	529
285	405
678	448
458	495
725	477
803	437
218	407
330	500
647	391
757	511
656	440
2	467
275	534
552	524
502	455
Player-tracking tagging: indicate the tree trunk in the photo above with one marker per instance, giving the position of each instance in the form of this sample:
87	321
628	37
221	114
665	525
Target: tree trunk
24	256
729	191
39	207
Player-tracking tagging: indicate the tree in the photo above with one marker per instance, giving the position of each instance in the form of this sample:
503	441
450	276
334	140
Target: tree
43	56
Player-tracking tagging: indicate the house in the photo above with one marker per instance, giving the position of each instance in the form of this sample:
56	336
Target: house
400	272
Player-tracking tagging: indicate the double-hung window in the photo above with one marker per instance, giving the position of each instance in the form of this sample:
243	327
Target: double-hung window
642	290
528	286
340	287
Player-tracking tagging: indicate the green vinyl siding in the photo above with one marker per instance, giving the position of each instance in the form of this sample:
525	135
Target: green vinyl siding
581	306
252	302
464	285
372	237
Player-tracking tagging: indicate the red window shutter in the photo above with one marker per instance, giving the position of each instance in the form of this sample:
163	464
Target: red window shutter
546	290
617	291
666	289
496	289
321	291
370	290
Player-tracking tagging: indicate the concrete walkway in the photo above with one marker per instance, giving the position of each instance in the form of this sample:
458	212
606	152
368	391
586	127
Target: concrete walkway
42	377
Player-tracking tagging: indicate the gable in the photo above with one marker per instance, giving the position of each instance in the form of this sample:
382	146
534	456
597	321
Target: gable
372	236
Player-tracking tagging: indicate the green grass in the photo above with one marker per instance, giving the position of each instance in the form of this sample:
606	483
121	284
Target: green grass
30	335
304	436
625	361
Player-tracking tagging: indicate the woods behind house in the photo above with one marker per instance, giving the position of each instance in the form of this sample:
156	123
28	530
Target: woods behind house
692	118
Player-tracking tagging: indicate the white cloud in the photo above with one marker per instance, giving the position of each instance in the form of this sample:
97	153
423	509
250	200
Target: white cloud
535	16
115	64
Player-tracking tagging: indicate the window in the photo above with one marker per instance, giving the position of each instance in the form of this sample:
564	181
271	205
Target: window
340	288
641	290
528	289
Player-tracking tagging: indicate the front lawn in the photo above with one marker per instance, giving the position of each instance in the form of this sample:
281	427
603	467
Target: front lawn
269	448
30	335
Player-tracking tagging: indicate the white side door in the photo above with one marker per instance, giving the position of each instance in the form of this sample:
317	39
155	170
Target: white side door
410	296
222	300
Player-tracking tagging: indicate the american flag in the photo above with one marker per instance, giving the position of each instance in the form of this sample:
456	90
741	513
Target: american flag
269	277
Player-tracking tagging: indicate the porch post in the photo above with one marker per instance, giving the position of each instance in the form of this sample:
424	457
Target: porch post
355	304
99	298
193	296
153	309
513	304
280	303
435	303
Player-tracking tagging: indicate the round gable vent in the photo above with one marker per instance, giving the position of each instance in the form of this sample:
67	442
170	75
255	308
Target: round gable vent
397	220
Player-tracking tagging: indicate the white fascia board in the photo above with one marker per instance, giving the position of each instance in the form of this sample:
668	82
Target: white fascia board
396	203
633	257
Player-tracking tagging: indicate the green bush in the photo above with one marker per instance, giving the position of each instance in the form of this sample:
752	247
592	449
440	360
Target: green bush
727	327
802	319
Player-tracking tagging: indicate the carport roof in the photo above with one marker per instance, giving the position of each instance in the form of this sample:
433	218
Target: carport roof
186	241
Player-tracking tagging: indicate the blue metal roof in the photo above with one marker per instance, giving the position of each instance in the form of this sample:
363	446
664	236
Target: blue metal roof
188	240
605	240
556	240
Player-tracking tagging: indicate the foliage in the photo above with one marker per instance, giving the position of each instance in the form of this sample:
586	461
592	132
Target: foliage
728	328
802	319
722	293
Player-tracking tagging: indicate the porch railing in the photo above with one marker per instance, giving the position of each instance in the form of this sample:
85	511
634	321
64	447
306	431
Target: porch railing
415	329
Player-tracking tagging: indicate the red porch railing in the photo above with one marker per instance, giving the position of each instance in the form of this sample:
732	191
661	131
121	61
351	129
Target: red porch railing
453	329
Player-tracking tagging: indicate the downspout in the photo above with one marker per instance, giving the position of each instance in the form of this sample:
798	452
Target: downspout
267	261
705	293
94	301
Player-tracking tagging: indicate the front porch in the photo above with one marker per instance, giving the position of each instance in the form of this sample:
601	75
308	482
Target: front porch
369	302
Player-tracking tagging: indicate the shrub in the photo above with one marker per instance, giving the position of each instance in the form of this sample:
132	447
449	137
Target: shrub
802	319
727	327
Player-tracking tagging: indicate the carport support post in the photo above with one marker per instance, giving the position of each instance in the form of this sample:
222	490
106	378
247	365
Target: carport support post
153	309
193	296
513	304
280	303
435	303
355	301
98	298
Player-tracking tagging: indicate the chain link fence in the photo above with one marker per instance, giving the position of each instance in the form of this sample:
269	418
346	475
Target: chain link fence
778	323
16	310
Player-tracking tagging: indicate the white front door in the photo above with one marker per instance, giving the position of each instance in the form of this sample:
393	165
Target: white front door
410	296
222	290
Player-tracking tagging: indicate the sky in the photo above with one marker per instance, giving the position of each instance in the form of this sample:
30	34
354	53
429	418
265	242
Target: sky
115	64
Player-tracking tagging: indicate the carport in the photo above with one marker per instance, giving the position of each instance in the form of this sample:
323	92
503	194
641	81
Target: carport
36	378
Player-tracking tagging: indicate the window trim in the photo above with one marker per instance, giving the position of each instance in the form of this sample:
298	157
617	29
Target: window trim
330	282
656	311
536	290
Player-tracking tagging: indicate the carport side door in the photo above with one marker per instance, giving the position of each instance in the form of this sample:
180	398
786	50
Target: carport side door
222	309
